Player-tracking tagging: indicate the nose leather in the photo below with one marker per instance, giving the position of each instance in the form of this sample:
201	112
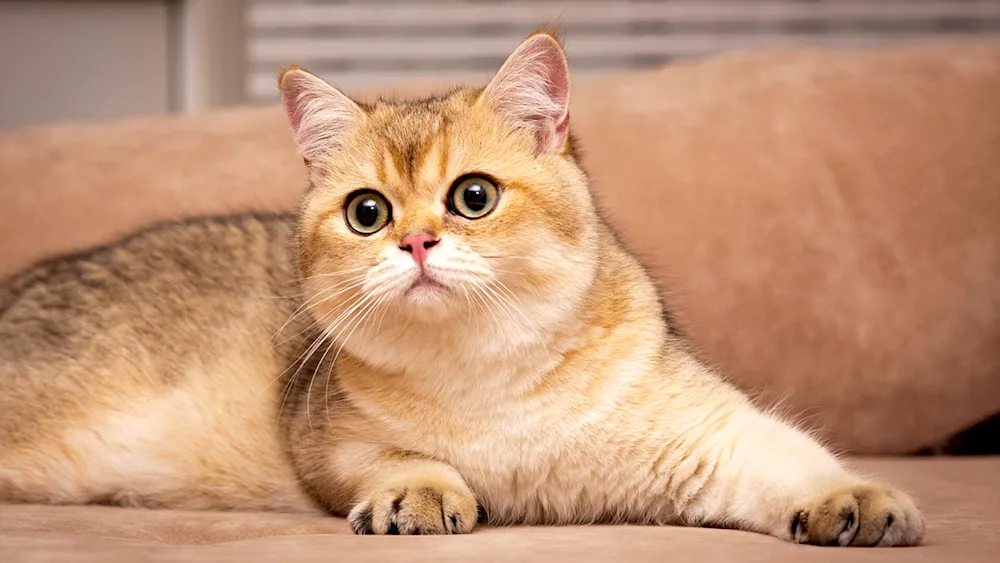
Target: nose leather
417	244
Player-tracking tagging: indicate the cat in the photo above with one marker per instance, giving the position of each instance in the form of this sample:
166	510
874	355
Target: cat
446	327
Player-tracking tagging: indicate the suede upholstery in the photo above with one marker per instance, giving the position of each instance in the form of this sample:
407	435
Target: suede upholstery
961	498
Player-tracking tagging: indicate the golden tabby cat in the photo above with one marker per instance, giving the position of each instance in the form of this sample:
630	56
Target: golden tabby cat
446	325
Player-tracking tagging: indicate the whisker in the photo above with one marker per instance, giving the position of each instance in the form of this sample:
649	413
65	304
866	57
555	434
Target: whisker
353	321
507	299
308	304
503	257
290	384
328	274
518	306
511	298
333	363
381	317
498	300
486	306
326	396
302	360
311	325
468	316
343	317
464	270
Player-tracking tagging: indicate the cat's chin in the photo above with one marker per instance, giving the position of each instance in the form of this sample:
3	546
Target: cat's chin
428	299
425	287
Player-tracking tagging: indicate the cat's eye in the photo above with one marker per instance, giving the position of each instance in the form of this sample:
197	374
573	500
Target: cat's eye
367	212
473	197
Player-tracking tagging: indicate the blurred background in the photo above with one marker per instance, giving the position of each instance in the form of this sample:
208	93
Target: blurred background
94	59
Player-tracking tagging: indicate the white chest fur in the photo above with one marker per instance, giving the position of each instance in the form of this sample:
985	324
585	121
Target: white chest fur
535	456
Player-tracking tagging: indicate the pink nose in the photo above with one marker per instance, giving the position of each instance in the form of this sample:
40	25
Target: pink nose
417	244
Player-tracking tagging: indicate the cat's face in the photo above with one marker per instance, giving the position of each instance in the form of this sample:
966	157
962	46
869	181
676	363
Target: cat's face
444	209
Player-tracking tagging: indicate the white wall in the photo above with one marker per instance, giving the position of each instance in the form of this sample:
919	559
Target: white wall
74	60
81	60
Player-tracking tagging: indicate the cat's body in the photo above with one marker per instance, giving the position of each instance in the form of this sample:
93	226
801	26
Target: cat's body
144	373
463	327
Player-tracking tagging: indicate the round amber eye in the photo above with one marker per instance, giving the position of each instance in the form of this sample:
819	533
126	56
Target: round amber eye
367	212
474	197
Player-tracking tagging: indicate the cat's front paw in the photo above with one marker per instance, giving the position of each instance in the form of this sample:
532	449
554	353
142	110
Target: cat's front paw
416	508
861	515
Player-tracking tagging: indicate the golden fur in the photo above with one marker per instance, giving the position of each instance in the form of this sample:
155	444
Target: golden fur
292	364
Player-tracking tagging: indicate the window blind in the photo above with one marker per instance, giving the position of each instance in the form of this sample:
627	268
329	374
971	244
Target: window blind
364	43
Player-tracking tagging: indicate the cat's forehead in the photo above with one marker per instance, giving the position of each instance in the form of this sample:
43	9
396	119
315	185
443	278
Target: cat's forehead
414	149
401	125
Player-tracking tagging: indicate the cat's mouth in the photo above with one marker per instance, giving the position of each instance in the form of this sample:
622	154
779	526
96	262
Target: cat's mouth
425	284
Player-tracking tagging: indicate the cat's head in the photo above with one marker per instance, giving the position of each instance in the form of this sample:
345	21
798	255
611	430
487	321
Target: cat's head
469	206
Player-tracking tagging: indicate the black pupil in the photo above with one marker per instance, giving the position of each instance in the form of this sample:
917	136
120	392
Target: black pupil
367	212
475	197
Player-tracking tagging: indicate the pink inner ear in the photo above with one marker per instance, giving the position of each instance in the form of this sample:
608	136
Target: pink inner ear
320	116
561	132
291	92
532	90
553	130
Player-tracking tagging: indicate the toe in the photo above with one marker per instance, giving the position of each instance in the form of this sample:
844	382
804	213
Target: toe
876	516
360	518
867	515
834	521
415	510
461	512
421	512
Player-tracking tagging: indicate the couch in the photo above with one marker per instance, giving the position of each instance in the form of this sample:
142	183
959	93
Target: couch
824	225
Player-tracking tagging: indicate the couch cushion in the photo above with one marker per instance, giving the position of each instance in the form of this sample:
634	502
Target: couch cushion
823	223
960	498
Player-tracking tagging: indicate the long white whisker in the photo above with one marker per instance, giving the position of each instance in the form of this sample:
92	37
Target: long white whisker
316	322
497	299
361	317
381	317
468	316
341	319
311	326
302	359
330	274
309	304
502	257
496	321
515	303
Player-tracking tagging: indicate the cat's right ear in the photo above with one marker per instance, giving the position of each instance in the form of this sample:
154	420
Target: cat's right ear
321	116
531	90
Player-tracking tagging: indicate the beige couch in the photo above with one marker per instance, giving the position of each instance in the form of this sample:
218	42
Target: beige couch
825	226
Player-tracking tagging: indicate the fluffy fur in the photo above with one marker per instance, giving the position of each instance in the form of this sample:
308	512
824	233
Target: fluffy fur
290	363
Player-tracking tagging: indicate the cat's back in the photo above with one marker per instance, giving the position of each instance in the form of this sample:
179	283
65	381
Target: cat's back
159	352
160	279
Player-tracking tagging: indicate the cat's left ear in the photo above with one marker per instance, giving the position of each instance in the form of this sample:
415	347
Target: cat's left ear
322	117
531	91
